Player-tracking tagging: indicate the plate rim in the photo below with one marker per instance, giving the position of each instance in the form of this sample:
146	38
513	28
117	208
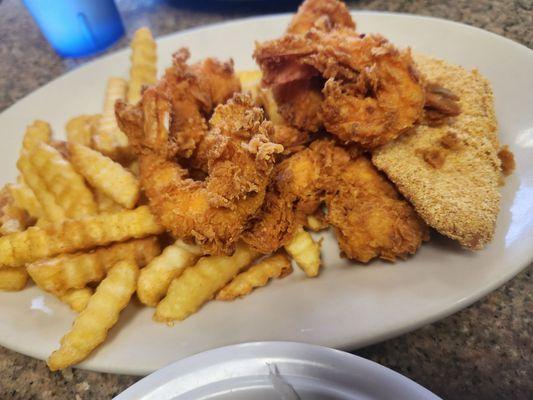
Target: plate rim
299	352
220	24
478	294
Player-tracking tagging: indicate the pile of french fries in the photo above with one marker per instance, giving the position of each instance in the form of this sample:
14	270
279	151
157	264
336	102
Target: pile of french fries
75	224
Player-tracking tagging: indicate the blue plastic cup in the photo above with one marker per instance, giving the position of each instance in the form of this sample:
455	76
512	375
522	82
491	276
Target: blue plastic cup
77	28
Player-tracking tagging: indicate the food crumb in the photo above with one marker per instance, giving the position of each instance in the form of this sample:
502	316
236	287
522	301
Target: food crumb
67	374
507	158
434	157
450	141
82	386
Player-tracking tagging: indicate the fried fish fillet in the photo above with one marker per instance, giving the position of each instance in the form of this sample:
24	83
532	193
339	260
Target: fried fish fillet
450	173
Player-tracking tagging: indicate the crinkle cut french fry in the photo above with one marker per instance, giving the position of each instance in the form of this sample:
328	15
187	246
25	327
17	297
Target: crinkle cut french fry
266	99
36	243
75	271
12	218
37	132
276	266
65	184
51	209
143	69
306	252
80	129
250	81
156	277
199	283
316	224
105	203
102	311
13	279
105	175
134	167
25	198
107	137
77	299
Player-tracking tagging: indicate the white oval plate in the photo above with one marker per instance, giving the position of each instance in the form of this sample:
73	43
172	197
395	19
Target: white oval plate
349	305
275	370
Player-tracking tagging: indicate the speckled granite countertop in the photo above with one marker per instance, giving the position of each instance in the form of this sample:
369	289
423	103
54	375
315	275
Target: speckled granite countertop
483	352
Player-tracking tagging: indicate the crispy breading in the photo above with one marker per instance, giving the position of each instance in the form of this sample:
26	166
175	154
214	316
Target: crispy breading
367	91
369	218
293	193
507	159
202	184
460	199
320	14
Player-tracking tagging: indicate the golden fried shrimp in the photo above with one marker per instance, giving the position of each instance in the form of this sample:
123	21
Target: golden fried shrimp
372	91
369	217
294	192
298	89
292	139
205	186
320	14
273	226
378	98
190	93
300	103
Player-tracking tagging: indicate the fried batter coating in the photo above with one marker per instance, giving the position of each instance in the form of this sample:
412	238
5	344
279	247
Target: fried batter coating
372	92
294	192
291	138
369	217
190	93
320	14
233	154
300	103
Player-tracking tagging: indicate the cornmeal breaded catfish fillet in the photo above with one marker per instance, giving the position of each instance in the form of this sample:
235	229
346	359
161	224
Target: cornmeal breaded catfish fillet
450	173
